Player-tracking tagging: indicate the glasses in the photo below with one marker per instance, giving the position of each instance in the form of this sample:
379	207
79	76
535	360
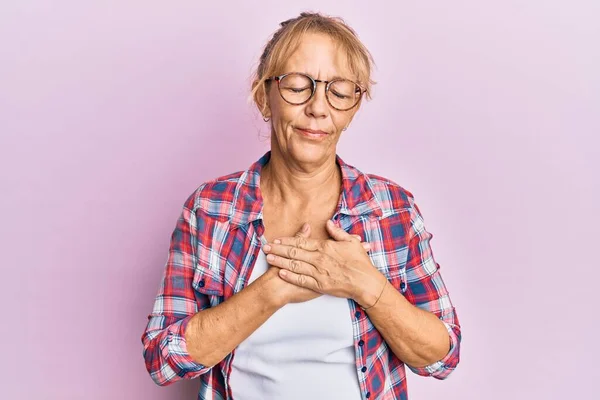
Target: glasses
297	88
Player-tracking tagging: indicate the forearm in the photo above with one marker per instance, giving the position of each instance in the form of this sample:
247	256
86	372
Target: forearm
214	332
416	337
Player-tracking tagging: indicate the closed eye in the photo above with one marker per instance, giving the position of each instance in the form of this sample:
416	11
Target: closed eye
340	95
297	90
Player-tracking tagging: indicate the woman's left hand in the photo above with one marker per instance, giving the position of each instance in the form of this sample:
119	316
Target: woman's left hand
339	267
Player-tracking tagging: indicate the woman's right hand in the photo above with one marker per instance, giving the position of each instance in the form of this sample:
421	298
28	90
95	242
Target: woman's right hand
285	292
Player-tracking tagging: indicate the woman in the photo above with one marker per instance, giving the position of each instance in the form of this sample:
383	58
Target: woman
302	277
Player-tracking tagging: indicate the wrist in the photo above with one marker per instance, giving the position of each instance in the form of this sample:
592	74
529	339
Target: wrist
372	291
270	289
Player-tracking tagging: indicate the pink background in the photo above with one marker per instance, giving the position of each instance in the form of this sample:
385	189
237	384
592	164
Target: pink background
112	113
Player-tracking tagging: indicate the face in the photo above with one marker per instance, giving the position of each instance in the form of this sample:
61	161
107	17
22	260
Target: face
309	133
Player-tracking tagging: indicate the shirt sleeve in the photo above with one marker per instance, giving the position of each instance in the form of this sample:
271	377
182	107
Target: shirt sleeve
165	351
426	289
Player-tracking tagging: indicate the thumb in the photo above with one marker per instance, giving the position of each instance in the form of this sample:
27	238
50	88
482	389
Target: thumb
338	233
365	245
304	230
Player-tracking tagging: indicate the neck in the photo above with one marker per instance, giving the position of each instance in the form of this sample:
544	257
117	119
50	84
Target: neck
298	184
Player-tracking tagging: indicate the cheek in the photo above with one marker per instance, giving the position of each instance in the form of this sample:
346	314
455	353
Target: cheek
285	115
277	105
340	121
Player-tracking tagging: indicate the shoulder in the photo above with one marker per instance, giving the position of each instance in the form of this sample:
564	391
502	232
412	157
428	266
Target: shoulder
215	197
397	203
393	197
390	196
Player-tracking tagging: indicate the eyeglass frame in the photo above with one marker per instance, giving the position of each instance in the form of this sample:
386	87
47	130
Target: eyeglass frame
278	79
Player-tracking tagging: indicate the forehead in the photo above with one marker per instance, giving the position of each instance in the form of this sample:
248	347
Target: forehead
319	56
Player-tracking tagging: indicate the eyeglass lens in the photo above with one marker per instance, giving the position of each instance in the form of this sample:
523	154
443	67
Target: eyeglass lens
297	88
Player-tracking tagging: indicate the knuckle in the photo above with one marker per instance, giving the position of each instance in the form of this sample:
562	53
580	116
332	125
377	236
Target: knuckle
320	259
292	252
321	286
301	242
294	266
302	280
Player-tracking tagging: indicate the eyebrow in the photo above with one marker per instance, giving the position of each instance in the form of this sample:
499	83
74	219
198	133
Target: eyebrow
330	79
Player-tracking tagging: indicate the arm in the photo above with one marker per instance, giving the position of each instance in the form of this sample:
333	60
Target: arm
184	337
421	326
213	333
165	349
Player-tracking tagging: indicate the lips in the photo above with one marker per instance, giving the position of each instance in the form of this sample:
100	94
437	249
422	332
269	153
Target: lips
312	133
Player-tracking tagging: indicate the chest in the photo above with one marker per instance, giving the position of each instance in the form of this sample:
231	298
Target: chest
277	228
278	221
227	256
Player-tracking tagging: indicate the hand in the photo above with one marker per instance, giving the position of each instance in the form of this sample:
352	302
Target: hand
338	267
286	292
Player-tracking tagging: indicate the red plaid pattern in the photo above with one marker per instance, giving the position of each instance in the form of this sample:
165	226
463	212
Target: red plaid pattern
216	241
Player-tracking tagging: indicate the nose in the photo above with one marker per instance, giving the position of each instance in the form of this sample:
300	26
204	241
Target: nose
317	106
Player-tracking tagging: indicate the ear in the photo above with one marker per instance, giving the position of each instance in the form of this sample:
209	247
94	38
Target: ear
261	98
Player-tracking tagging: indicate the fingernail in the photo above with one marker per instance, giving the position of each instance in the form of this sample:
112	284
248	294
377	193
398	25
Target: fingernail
277	241
266	247
304	227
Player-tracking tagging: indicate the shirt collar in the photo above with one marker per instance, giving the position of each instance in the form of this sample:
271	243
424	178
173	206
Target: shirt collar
357	196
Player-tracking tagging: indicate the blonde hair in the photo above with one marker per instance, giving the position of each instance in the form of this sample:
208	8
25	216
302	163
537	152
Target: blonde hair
286	40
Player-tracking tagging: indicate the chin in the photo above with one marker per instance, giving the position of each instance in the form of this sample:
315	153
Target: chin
310	152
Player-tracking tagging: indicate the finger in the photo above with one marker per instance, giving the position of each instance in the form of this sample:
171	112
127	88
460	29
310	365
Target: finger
304	230
357	237
338	233
303	233
300	239
293	253
366	246
299	280
296	266
300	242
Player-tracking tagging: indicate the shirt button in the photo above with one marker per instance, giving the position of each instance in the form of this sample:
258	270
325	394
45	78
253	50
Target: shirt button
402	286
202	283
357	314
368	395
361	342
364	369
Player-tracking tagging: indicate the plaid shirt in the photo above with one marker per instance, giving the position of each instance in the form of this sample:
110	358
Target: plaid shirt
214	246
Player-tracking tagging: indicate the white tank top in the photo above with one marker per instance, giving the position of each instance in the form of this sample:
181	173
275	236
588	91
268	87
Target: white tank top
304	351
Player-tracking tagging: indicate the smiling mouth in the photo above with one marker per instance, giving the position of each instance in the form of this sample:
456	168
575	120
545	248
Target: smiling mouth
312	133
